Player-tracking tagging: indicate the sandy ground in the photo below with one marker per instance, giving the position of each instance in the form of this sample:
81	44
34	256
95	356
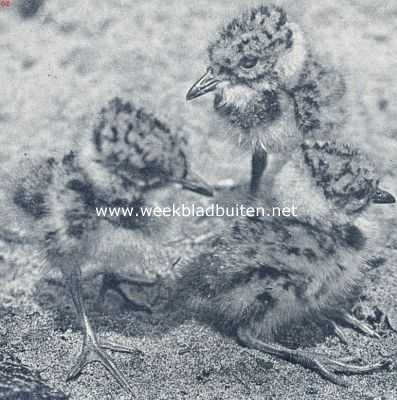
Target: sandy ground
59	68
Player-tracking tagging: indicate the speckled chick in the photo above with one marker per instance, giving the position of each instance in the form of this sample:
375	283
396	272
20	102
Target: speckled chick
62	197
263	275
270	86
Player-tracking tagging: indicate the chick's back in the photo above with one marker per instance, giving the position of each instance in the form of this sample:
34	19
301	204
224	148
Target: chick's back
266	274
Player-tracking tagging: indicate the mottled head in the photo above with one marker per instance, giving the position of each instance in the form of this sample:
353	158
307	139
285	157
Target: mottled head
254	56
141	150
346	176
330	177
249	48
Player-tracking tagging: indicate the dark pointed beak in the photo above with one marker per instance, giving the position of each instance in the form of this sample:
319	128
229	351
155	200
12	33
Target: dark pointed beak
383	197
206	84
196	184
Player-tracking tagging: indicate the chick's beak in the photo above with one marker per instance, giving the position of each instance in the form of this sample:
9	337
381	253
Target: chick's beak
196	184
383	197
206	84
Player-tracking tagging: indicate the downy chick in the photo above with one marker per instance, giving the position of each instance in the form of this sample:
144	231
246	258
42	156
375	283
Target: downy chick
270	86
136	152
263	275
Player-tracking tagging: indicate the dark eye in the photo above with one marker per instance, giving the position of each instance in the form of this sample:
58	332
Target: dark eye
248	61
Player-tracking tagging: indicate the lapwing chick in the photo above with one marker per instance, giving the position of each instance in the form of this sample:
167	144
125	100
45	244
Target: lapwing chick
132	152
270	86
263	275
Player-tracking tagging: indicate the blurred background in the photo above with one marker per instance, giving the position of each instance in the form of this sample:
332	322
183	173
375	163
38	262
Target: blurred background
62	61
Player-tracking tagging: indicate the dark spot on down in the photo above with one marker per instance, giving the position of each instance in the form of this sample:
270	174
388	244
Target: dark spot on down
310	254
376	262
76	185
251	252
69	158
76	230
84	189
266	298
282	18
353	236
289	39
300	291
32	204
293	250
266	271
236	232
98	137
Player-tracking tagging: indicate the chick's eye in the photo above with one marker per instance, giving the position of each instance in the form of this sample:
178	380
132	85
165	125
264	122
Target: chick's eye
248	62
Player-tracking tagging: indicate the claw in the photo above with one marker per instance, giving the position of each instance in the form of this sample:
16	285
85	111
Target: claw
359	325
120	349
324	366
93	352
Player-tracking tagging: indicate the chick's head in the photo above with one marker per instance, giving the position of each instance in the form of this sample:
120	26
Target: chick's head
324	179
346	176
132	152
250	46
254	58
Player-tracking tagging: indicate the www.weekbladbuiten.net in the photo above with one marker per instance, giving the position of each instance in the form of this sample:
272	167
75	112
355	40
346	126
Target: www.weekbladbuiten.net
192	210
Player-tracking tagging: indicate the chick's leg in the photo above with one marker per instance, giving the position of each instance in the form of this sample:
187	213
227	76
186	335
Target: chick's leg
323	365
92	350
258	166
113	281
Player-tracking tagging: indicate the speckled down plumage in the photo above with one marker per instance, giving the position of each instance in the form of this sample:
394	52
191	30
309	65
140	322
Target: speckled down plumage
262	32
345	174
319	100
137	147
273	89
266	274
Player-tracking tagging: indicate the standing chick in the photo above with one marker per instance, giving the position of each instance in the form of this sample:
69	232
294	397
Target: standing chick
261	276
132	152
270	86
